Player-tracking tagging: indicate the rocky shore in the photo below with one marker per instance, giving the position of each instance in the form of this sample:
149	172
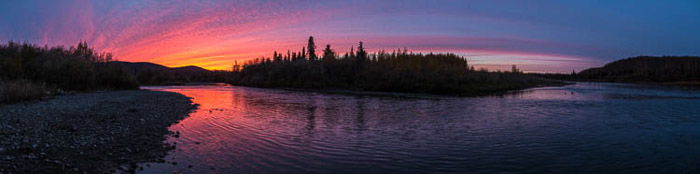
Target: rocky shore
100	132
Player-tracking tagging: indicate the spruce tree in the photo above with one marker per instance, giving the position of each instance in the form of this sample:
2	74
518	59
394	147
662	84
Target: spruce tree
302	55
312	49
361	54
328	53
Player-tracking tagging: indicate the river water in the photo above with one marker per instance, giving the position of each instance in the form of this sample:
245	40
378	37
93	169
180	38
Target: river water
580	128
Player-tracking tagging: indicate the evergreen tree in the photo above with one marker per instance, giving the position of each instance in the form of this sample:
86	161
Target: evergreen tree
303	54
328	53
289	55
236	67
352	52
312	49
276	57
361	53
83	50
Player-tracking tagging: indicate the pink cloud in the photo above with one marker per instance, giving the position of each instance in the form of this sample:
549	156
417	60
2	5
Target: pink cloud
214	35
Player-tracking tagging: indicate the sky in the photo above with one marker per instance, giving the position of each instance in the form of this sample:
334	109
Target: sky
537	35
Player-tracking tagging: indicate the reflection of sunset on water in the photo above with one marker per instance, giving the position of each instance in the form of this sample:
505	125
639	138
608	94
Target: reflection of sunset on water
252	130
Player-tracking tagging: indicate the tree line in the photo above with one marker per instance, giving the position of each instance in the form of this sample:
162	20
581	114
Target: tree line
395	71
29	71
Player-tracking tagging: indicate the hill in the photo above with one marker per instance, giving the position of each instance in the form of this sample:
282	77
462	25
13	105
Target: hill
668	69
141	66
138	67
154	74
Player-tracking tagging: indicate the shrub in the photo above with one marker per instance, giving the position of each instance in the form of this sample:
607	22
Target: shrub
21	90
114	76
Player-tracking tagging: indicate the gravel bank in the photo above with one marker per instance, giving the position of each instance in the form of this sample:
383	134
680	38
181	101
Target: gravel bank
89	133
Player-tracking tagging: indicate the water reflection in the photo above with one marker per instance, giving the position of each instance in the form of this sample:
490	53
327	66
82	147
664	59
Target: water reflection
587	127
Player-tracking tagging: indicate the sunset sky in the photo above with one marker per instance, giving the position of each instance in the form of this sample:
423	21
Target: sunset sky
542	36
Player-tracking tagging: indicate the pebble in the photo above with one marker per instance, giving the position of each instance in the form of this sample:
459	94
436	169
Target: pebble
94	145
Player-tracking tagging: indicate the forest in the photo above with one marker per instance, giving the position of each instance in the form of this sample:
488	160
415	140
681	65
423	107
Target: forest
29	71
395	71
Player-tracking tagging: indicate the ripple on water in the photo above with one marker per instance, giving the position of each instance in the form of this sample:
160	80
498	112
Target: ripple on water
586	127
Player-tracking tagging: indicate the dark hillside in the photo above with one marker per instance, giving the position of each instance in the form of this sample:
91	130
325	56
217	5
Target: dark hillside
154	74
646	69
138	67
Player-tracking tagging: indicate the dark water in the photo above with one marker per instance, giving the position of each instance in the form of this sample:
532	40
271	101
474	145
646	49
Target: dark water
582	128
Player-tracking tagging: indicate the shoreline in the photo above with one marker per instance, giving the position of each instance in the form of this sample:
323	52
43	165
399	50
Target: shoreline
99	132
679	84
341	91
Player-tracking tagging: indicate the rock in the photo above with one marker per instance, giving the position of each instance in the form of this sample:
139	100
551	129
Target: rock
92	125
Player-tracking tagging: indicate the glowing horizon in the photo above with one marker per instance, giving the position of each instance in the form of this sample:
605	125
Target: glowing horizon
539	37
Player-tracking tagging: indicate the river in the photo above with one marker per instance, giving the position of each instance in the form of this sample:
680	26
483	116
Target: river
580	128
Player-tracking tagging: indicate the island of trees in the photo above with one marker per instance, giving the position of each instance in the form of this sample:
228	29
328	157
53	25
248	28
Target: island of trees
395	71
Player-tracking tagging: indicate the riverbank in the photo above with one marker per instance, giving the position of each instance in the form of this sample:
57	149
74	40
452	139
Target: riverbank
89	132
482	92
418	95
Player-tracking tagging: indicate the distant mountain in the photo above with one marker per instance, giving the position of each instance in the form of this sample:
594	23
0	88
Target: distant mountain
668	69
139	67
190	69
154	74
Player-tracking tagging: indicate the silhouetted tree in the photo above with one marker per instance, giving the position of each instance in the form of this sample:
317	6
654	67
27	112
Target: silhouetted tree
236	67
514	69
328	53
289	56
361	53
352	52
312	49
276	57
